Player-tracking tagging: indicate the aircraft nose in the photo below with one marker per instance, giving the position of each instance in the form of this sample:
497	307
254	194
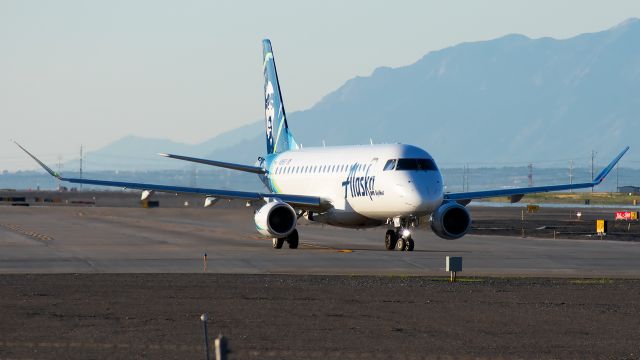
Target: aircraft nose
421	194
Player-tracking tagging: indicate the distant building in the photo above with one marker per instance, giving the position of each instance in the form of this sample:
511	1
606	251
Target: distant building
629	189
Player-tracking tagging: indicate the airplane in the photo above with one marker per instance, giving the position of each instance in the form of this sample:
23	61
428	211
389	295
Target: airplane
392	185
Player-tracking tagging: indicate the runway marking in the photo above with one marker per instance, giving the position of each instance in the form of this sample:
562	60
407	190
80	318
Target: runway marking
103	346
323	247
21	231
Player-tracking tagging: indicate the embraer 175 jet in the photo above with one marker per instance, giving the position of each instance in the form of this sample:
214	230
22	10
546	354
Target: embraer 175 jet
347	186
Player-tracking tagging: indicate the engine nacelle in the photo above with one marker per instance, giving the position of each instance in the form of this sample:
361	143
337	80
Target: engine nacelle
275	219
450	221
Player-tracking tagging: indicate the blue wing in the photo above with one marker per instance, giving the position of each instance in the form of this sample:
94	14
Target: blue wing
297	201
517	193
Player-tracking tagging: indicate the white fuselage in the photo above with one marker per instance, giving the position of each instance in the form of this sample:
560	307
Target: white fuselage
354	180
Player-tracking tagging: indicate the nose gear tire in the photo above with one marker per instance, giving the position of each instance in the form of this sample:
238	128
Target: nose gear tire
390	239
408	244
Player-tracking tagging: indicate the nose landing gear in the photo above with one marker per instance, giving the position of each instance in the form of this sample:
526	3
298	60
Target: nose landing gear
399	238
405	243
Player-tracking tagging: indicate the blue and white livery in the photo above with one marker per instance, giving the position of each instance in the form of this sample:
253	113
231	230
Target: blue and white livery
348	186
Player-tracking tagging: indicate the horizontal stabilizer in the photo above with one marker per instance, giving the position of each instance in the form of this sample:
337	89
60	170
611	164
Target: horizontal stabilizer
239	167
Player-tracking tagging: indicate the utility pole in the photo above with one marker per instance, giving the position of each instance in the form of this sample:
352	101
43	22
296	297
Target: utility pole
530	174
194	176
59	171
80	166
464	177
571	174
617	177
593	155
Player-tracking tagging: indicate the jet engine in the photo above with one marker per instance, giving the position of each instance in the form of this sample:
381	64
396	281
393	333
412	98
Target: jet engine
450	221
275	219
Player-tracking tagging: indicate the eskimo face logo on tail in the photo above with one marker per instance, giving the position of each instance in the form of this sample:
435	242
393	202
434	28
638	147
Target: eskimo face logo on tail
359	186
269	111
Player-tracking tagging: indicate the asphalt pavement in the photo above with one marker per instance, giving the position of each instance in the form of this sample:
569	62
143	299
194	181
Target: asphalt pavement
63	239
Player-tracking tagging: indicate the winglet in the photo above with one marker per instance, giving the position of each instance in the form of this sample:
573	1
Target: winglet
610	167
48	169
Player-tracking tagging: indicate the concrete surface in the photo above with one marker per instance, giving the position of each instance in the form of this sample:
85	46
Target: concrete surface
63	239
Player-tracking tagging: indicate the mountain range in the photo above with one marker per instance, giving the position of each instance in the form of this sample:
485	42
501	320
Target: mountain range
511	100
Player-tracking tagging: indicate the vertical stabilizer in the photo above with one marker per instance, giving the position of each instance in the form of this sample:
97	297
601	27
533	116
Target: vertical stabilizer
278	136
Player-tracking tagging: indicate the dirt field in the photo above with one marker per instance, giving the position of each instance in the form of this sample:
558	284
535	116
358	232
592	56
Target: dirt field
156	316
561	223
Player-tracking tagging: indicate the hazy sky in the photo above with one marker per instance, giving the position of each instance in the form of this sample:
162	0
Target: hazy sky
90	72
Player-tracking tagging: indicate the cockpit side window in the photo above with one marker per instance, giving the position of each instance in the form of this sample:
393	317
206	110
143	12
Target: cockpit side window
416	164
390	165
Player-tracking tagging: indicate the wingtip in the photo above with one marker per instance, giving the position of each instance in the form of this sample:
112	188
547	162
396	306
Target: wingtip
163	154
43	165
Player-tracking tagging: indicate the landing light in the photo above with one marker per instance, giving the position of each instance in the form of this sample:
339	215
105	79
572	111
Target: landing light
406	233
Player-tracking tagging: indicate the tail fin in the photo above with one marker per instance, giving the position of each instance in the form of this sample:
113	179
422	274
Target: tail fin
279	138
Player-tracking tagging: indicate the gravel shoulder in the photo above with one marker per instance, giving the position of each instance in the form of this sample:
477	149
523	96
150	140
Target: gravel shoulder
124	316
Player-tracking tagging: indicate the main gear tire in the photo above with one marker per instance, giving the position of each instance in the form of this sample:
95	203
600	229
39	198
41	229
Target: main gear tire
390	239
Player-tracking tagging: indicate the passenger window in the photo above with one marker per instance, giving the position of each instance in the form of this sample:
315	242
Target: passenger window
390	165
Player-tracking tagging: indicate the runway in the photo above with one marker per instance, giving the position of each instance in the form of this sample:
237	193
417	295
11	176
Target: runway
61	239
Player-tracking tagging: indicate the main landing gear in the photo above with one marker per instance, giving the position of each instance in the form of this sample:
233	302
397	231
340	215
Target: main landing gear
292	240
399	238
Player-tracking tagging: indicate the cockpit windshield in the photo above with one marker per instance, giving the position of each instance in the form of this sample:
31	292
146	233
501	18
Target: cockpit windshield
416	164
